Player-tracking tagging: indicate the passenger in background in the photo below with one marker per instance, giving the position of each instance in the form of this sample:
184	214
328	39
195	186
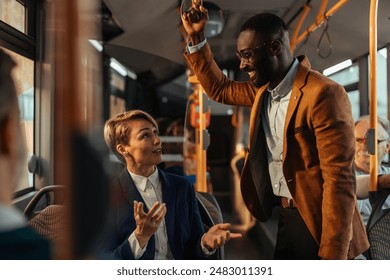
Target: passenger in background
301	145
362	162
17	240
175	129
160	218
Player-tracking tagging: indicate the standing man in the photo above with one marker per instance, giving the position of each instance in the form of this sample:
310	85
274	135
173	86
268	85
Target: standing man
301	139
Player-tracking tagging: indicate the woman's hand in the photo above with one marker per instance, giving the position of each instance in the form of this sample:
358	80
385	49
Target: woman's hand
147	223
218	235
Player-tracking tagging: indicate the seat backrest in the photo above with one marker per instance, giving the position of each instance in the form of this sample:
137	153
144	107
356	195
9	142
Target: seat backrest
51	193
50	221
210	214
378	226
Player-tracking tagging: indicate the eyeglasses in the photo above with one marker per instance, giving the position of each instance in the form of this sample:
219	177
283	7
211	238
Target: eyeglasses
364	140
247	54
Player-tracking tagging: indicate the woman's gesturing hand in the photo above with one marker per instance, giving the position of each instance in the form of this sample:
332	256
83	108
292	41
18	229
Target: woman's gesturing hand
148	223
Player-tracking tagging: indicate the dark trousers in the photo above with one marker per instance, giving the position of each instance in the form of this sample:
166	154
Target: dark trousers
294	241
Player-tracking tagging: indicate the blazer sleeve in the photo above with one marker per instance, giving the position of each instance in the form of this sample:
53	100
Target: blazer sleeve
217	86
334	131
193	248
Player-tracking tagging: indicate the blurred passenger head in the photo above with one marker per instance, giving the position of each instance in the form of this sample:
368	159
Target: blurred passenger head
12	149
133	138
362	158
175	129
8	99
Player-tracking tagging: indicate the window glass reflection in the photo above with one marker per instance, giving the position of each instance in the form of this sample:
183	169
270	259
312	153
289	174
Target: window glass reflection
13	13
23	75
381	82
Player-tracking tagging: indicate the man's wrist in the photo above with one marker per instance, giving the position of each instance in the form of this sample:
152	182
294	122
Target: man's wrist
197	38
195	48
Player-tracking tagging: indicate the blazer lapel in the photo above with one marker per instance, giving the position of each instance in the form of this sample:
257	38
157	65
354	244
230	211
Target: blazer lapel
255	117
296	94
130	190
169	198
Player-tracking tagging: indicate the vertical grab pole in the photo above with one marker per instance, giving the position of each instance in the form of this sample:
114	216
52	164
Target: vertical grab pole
201	176
200	141
373	97
66	107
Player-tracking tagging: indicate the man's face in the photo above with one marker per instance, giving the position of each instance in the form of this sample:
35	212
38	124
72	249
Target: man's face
362	158
254	57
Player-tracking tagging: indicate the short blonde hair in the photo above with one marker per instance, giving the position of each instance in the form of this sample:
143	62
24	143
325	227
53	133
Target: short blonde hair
117	129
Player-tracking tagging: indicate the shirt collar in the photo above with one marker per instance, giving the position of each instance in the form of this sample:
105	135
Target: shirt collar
285	86
140	181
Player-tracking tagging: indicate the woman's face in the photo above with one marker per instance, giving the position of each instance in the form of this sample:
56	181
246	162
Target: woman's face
143	152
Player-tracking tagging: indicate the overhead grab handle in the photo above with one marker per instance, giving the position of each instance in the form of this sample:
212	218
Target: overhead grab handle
325	32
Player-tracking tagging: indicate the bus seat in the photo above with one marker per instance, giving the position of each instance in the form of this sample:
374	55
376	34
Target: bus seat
211	214
49	222
46	215
378	226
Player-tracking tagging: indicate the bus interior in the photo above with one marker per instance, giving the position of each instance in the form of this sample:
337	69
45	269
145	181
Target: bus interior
81	62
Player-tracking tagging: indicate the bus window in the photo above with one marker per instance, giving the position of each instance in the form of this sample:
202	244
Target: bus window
18	34
346	77
117	97
381	83
23	75
354	98
13	13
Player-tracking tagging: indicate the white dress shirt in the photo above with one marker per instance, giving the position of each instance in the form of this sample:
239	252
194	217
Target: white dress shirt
273	119
150	190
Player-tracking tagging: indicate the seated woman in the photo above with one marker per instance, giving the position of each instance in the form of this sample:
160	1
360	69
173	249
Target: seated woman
160	219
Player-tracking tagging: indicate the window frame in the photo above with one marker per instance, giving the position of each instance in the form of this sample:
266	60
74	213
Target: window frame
24	44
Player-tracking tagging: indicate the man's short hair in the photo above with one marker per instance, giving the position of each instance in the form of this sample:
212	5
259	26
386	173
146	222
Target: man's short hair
266	24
